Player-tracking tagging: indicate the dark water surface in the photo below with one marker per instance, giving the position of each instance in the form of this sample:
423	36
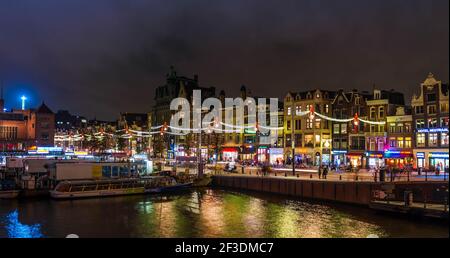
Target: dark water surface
202	213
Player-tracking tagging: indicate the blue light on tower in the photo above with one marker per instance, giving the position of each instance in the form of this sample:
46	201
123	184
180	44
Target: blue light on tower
23	98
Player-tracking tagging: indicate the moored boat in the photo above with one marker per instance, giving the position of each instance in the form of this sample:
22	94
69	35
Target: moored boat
9	194
115	187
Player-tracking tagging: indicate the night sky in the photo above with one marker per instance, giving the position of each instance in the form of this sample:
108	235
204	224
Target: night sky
100	57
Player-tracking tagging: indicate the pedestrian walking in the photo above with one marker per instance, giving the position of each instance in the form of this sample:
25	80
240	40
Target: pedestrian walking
320	172
325	172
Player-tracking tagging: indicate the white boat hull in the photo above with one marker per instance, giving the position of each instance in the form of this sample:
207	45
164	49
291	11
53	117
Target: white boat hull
100	193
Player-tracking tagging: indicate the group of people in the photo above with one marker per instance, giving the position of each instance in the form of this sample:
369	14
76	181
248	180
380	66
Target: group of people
323	172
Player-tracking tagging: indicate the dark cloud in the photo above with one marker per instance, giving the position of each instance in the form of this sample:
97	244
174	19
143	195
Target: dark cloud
101	57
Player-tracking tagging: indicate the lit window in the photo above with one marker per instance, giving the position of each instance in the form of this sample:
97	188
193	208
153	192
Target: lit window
317	138
317	123
392	142
407	127
420	123
432	139
407	142
309	123
444	121
298	110
432	122
308	139
372	112
444	139
400	143
380	144
372	144
420	139
344	128
392	127
289	111
336	128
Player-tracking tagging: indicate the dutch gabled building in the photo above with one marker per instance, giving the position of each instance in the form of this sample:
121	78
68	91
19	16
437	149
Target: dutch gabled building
348	146
430	121
309	137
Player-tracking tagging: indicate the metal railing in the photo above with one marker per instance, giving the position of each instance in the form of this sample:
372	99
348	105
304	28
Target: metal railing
354	175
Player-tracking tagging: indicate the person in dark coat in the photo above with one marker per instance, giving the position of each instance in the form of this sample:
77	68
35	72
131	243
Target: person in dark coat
325	172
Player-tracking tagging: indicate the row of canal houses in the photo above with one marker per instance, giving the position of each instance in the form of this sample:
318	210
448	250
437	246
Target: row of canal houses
416	134
395	134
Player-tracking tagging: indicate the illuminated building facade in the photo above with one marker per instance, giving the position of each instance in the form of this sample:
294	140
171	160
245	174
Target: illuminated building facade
430	123
349	142
166	146
382	104
310	135
23	129
400	139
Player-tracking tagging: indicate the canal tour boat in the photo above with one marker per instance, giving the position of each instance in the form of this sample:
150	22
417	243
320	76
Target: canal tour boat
114	187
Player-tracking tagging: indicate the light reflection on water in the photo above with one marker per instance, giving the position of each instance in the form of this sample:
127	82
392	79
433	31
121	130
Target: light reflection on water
15	229
202	213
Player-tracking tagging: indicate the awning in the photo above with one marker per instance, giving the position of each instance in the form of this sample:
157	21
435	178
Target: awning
230	149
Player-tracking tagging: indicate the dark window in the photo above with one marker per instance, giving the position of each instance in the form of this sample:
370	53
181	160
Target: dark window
431	97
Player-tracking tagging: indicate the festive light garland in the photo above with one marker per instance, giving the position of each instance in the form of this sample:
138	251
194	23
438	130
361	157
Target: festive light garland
334	119
236	128
372	122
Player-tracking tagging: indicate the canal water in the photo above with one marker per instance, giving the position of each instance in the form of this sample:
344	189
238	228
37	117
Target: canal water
203	213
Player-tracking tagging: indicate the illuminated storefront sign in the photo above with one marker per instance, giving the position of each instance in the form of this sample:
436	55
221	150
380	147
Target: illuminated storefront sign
374	155
420	155
438	155
339	152
276	151
397	154
432	130
45	150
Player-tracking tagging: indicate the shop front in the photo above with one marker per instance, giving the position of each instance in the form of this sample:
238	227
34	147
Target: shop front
230	154
398	159
420	158
439	160
430	158
355	159
326	157
304	156
276	156
247	153
339	157
262	154
375	159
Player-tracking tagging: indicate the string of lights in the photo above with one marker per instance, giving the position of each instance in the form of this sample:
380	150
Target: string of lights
235	128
